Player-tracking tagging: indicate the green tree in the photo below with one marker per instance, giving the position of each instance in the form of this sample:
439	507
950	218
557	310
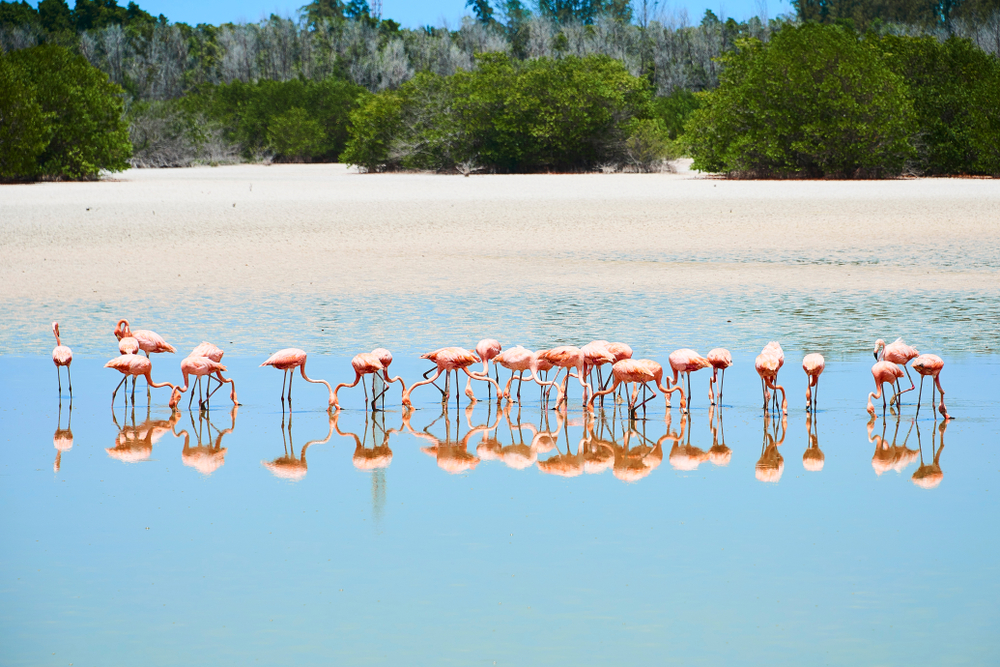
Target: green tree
16	14
56	16
24	127
295	135
482	10
373	127
88	131
814	101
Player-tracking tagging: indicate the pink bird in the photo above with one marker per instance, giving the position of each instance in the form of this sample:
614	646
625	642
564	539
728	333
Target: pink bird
62	356
487	349
213	352
900	353
571	357
619	351
813	365
882	371
930	364
150	342
288	360
767	364
687	361
366	363
385	358
128	345
721	359
641	372
774	349
133	365
518	360
448	359
201	367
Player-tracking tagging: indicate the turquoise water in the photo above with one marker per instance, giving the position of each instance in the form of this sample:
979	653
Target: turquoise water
163	540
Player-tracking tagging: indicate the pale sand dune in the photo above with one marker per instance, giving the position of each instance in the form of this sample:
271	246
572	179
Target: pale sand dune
323	229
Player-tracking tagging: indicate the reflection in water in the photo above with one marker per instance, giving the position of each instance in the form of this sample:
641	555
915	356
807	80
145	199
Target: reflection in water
135	443
813	458
929	476
451	455
719	454
685	456
287	466
209	457
771	464
62	439
890	456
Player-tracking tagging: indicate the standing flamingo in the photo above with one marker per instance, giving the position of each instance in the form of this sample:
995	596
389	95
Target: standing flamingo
930	364
641	372
518	360
595	355
150	342
213	352
62	356
882	371
686	361
449	359
721	359
201	367
767	364
288	360
385	358
571	357
813	365
133	365
900	353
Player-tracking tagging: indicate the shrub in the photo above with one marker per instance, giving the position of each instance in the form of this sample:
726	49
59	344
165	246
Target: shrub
814	102
648	146
166	134
24	127
87	131
674	110
296	136
373	125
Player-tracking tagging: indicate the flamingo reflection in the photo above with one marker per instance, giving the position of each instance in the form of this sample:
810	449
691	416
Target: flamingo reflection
452	456
376	457
206	458
719	454
813	458
288	466
929	475
771	464
62	439
135	443
685	456
890	456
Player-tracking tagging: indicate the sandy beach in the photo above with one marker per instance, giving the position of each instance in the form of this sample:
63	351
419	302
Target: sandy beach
282	232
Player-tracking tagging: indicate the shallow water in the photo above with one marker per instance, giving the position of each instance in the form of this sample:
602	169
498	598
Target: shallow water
235	537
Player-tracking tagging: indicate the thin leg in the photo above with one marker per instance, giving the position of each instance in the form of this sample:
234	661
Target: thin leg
520	379
70	378
290	378
919	393
283	378
364	386
722	382
689	390
133	390
191	399
815	395
59	380
124	379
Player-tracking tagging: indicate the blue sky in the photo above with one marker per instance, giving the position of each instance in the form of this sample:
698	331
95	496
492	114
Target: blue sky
411	13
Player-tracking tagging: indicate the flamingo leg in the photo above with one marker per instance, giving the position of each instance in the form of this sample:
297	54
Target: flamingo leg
689	390
520	379
919	395
59	380
133	391
722	381
124	379
283	378
815	394
290	378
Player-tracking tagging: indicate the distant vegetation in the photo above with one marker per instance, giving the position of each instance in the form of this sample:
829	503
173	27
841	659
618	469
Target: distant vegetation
847	88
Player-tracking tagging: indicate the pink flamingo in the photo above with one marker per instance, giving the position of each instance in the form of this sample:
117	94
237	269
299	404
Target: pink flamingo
571	357
62	356
687	361
774	349
518	359
487	349
767	364
201	367
288	360
149	342
213	352
133	365
930	364
619	351
385	358
366	363
641	372
128	344
448	359
813	365
882	371
595	355
900	353
721	359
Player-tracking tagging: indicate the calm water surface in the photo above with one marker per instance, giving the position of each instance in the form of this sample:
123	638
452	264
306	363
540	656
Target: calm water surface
478	537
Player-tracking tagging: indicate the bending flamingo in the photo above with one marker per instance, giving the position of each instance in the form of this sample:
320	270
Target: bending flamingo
519	359
62	356
883	372
641	372
686	361
213	352
721	359
366	363
571	357
813	365
288	360
201	367
133	365
385	358
149	342
767	364
930	364
448	359
900	353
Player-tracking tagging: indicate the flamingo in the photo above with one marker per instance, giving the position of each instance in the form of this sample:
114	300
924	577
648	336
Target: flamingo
900	353
767	364
882	371
62	356
449	359
133	365
686	361
201	367
366	363
487	349
385	358
595	355
288	360
213	352
721	359
930	364
813	365
518	359
640	371
571	357
619	351
149	342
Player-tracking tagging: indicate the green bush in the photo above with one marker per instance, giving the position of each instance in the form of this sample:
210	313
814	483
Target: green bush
813	102
24	127
956	96
83	112
296	136
372	128
674	110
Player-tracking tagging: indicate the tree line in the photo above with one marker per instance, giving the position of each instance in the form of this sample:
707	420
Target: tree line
342	83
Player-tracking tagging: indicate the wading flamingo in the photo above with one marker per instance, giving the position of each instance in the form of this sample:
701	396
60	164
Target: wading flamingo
200	367
213	352
487	349
595	355
518	360
150	342
385	358
900	353
128	345
767	364
448	359
641	372
721	359
363	364
774	349
930	364
571	357
62	356
288	360
813	365
619	351
686	361
133	365
883	372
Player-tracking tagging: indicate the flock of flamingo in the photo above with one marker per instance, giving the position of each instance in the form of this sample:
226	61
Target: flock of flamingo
205	361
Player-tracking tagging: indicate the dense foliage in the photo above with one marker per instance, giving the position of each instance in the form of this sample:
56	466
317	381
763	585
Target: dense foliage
510	116
78	127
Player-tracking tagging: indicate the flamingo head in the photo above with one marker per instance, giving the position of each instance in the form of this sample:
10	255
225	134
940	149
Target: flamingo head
122	329
175	398
55	328
879	346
